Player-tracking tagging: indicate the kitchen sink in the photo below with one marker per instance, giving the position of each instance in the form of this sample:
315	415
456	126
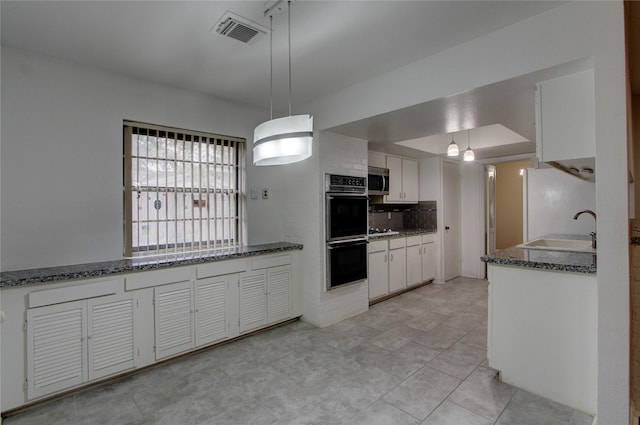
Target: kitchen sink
559	245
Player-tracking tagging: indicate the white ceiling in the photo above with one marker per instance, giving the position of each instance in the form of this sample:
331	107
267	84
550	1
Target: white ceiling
335	44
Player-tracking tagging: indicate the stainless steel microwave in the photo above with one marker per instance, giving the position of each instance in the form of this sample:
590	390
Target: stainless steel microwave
378	181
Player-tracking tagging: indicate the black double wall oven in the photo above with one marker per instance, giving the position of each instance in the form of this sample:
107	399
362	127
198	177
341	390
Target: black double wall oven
346	224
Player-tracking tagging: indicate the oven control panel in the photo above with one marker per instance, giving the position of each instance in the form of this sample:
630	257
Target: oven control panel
345	184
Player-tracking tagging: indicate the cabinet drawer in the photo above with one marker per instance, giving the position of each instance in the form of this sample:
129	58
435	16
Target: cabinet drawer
157	277
429	238
377	246
413	240
271	261
99	288
397	243
219	268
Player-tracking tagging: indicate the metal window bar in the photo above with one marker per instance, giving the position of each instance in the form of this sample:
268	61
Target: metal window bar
155	181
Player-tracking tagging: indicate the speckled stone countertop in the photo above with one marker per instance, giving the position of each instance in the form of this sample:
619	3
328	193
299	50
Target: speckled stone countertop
566	261
402	234
88	270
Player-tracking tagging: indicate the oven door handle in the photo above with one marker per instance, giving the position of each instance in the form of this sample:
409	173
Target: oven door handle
347	242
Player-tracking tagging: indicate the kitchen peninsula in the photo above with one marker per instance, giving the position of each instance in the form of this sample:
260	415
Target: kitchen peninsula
542	324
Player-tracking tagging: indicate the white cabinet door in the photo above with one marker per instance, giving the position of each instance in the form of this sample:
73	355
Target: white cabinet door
566	124
377	159
111	335
212	309
397	269
428	261
409	180
174	319
253	300
378	274
394	165
278	293
56	349
414	265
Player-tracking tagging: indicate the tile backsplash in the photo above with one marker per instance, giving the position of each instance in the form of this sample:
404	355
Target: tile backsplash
422	216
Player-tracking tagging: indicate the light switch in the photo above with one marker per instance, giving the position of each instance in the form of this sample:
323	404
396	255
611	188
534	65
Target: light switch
265	193
255	193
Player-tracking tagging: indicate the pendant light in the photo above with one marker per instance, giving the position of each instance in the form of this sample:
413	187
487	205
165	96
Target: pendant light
282	140
468	153
453	149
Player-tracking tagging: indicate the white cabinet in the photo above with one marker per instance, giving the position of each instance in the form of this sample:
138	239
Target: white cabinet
565	117
377	159
264	297
403	180
212	309
191	314
428	245
397	264
111	335
378	269
75	342
414	261
173	317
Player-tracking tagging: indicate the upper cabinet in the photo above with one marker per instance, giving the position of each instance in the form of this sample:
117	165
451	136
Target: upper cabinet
403	178
565	129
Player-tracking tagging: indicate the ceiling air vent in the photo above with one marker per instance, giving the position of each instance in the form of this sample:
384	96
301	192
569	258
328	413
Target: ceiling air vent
239	28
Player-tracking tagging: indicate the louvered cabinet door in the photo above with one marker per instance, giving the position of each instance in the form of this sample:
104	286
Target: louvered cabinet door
174	319
56	349
278	293
211	310
252	300
111	335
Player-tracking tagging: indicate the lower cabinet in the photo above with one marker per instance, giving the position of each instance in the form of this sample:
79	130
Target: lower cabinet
80	332
399	263
428	250
75	342
264	297
378	269
191	314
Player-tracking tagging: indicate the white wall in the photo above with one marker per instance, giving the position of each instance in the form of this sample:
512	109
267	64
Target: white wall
573	31
62	157
472	219
553	197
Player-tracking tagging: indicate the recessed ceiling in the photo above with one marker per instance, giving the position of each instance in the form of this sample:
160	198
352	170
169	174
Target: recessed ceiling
489	136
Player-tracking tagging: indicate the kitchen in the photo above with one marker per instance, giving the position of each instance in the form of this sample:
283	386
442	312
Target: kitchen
91	103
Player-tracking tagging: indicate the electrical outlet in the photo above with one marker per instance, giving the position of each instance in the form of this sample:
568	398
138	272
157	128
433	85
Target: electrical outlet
388	216
265	193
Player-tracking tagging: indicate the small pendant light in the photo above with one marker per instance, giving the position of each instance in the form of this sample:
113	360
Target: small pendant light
453	149
468	153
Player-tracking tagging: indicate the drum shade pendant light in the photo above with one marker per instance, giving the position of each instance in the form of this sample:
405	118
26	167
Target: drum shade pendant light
282	140
453	149
468	153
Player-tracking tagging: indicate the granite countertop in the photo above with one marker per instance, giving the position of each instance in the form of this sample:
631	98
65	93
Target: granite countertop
401	234
88	270
566	261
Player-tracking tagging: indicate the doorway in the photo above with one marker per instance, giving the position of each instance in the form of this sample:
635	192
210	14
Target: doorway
509	212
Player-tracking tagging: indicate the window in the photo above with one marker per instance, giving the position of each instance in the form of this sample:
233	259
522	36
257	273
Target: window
183	190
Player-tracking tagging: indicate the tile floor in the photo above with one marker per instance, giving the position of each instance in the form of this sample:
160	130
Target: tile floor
419	358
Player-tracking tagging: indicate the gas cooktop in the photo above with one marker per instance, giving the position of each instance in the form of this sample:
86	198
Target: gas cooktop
377	231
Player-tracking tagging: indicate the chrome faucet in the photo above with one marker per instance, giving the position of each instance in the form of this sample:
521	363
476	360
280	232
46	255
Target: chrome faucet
593	234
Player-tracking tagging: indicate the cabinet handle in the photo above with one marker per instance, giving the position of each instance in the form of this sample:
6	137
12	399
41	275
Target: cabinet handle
404	195
400	195
385	258
391	257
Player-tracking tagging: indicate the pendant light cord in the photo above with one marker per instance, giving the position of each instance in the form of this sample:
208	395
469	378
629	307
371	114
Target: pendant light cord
271	65
289	30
